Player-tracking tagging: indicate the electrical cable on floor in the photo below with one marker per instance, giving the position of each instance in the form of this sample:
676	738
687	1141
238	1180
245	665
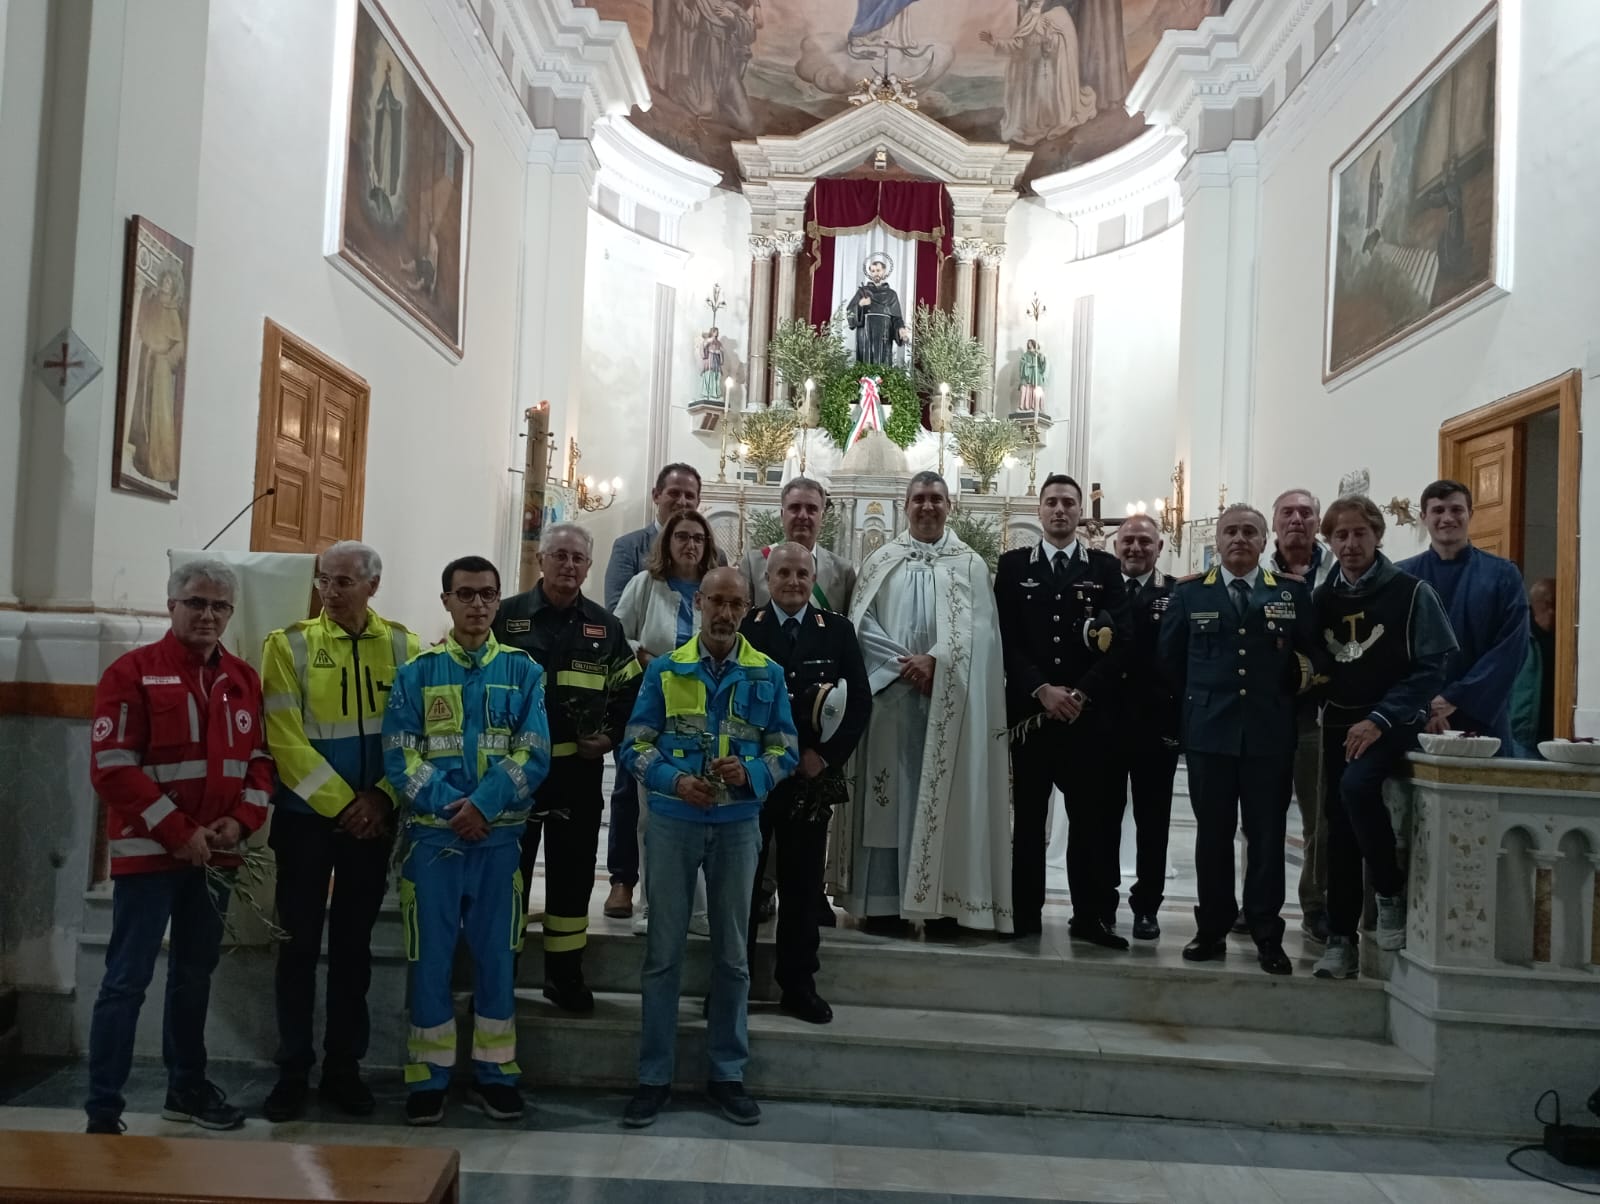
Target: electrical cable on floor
1523	1149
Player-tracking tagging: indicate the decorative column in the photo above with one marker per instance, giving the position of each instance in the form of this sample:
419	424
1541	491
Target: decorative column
1081	395
967	252
1544	864
988	314
1217	322
787	243
761	249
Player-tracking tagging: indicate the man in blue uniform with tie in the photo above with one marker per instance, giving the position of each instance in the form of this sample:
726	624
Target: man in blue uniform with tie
1240	644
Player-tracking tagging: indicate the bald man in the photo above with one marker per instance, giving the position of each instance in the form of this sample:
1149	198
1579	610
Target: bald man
710	736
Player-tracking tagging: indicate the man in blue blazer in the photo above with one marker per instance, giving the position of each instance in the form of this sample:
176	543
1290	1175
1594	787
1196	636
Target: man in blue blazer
1241	644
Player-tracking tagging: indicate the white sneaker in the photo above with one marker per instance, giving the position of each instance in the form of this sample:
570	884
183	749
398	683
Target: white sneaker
1391	933
700	924
1339	960
641	920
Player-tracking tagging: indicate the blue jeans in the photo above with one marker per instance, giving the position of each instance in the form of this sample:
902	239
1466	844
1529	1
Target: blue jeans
622	838
141	905
675	850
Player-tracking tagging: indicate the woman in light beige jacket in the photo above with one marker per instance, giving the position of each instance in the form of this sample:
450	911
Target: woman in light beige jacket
658	615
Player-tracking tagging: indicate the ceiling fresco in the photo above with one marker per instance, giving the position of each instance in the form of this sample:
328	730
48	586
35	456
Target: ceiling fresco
1046	75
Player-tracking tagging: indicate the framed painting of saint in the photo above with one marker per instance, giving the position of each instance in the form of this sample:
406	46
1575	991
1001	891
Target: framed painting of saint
1419	207
151	361
400	181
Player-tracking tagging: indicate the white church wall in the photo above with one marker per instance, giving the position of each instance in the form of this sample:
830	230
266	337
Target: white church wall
1387	419
1136	292
437	454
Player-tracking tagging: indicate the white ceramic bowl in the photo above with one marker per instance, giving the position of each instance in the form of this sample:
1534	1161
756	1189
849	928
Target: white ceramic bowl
1454	744
1572	754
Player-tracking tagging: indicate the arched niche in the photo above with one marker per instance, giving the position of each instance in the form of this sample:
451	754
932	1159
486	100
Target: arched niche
1514	918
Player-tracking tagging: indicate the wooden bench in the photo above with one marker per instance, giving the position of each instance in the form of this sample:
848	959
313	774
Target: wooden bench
167	1170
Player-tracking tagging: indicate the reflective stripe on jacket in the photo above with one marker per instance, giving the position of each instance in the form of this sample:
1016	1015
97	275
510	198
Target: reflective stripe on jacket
325	692
684	719
466	725
168	755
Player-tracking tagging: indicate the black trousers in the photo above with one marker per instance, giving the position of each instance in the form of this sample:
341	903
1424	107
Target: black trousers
802	851
1149	764
1228	792
1069	758
310	849
567	810
1360	831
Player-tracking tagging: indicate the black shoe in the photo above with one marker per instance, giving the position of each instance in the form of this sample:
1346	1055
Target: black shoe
734	1102
645	1104
1146	928
424	1107
1204	949
345	1091
1029	925
1241	926
1096	933
287	1099
205	1106
1273	959
882	925
941	926
109	1126
807	1006
497	1101
825	916
570	996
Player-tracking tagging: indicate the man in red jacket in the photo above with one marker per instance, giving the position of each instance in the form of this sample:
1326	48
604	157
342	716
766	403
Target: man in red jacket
176	755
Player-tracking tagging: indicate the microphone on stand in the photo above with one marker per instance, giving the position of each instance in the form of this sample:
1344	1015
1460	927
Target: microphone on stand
238	516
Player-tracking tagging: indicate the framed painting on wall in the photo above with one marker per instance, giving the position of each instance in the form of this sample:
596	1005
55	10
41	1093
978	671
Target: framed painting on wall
1419	215
400	181
151	361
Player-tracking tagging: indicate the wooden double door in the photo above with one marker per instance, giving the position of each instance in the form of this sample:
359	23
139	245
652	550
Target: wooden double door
311	448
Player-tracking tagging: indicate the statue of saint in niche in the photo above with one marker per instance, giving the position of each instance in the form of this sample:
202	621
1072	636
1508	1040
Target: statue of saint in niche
874	314
1033	373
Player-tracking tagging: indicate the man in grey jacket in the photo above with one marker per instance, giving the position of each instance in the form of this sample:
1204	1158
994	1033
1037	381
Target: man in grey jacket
677	489
1296	515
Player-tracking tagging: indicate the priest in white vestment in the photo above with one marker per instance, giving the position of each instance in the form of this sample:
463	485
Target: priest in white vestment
927	832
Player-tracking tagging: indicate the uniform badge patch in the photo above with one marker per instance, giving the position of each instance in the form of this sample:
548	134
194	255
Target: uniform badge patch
1279	610
242	721
518	626
322	660
1286	596
439	710
596	631
588	667
102	729
174	680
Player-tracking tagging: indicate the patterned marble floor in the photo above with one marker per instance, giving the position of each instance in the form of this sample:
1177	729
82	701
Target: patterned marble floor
571	1147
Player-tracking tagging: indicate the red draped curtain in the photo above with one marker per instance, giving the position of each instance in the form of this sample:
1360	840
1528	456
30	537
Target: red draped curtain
918	209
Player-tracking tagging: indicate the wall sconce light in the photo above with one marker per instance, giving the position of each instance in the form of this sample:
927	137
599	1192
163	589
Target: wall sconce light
592	495
1169	512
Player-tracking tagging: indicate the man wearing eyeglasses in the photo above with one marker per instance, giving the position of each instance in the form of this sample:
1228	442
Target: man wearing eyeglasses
465	745
591	679
326	682
177	759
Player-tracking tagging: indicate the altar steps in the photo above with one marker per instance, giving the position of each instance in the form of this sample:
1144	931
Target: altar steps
1002	1026
998	1062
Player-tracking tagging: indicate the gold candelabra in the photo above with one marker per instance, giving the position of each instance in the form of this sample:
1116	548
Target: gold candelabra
1169	511
592	495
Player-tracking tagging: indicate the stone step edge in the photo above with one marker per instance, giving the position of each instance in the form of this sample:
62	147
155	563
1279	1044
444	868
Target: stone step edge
1396	1066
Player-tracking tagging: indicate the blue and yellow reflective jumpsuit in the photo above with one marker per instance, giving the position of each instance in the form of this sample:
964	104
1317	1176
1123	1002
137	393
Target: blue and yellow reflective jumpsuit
464	725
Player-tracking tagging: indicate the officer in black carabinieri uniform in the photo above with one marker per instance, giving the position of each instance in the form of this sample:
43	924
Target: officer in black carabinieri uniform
1145	746
1241	643
591	678
1064	628
817	649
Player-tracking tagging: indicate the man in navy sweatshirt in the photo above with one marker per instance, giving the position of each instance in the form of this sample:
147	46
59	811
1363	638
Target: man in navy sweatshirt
1483	595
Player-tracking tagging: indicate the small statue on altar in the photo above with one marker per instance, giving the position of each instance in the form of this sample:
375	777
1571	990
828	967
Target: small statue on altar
710	348
874	314
1033	373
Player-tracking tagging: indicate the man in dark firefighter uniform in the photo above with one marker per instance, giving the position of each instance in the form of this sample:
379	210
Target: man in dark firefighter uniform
591	678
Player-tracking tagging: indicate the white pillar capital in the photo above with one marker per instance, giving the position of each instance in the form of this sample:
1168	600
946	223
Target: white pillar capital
967	250
762	247
787	243
991	255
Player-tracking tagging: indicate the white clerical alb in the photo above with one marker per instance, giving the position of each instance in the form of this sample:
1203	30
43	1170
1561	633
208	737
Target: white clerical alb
927	831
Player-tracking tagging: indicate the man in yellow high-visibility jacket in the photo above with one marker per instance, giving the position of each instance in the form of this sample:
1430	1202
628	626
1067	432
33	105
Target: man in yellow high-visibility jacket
325	682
